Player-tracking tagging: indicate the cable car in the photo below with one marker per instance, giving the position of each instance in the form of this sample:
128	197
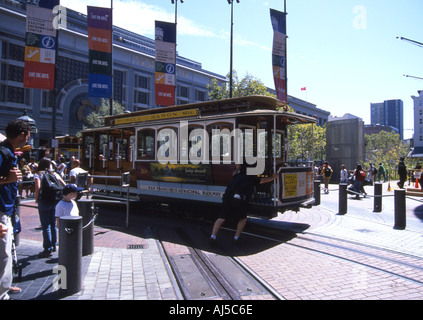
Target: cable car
186	154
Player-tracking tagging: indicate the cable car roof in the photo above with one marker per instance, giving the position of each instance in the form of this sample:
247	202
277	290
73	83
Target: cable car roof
235	107
211	107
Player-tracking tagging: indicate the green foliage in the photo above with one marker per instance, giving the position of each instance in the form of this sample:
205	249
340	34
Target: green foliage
96	118
307	142
247	86
386	147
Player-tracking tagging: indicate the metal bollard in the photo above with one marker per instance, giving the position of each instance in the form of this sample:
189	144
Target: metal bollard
85	211
343	198
316	192
400	217
377	204
70	253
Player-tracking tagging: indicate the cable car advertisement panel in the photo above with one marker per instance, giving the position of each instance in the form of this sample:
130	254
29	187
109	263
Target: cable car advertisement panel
181	173
296	184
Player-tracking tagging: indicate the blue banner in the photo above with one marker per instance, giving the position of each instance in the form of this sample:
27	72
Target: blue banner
278	20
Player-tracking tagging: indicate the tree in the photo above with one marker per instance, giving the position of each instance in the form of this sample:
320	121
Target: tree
247	86
306	142
385	147
96	118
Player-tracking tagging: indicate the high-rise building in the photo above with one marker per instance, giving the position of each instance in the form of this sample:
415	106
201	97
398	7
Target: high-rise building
344	143
418	125
388	113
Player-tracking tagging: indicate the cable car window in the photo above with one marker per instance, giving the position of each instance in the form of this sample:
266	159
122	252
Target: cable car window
167	145
262	152
89	141
221	143
146	146
192	148
103	145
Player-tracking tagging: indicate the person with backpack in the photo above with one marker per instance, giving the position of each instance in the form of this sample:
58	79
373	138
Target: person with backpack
235	199
17	135
358	183
48	192
327	174
402	172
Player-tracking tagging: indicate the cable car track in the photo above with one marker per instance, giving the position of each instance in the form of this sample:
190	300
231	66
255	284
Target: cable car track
204	275
200	270
398	264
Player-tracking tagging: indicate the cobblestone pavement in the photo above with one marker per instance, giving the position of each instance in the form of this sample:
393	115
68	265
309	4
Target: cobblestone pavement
358	255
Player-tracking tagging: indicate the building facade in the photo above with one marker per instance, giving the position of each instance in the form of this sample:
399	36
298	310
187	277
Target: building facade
418	125
388	113
344	143
133	75
306	108
309	109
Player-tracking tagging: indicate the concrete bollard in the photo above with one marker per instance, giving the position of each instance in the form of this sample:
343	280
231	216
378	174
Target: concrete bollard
70	254
377	204
316	192
86	212
400	217
343	198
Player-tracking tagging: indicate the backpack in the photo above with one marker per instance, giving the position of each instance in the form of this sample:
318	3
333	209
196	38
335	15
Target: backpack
361	176
51	189
327	171
8	161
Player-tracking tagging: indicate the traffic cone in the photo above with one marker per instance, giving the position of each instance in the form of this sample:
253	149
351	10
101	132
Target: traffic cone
389	186
416	185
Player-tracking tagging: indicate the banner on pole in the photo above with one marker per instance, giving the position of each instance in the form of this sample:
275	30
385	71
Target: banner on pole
40	46
278	20
165	66
100	52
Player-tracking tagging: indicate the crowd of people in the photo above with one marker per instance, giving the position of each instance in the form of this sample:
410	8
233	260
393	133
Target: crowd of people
45	181
66	169
361	177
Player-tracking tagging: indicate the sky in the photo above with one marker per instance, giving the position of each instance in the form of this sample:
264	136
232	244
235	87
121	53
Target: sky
345	52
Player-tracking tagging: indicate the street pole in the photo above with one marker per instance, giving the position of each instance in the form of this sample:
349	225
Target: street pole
176	42
231	2
231	49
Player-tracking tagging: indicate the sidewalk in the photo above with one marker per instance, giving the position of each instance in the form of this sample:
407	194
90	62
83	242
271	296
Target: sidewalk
112	272
115	272
362	224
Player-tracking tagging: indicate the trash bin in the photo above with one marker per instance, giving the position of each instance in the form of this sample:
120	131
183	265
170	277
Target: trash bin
70	253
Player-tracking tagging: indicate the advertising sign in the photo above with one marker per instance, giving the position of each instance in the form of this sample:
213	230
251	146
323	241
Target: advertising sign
40	46
100	52
278	20
165	77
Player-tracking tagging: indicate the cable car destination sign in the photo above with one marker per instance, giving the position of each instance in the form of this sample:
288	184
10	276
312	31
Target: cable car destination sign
159	116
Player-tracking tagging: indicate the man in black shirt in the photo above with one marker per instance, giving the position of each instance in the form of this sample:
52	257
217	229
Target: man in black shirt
236	197
402	172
